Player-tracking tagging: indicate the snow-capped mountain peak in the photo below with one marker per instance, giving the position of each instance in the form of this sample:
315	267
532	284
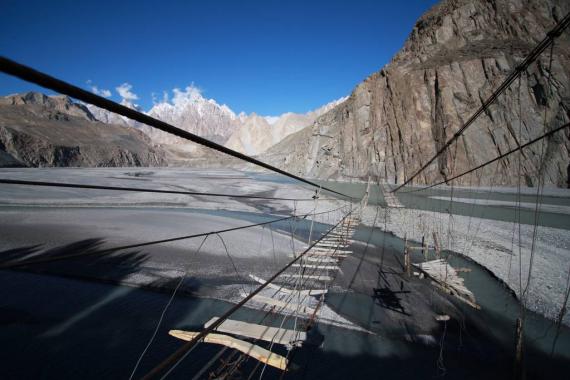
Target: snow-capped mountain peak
186	109
271	119
189	110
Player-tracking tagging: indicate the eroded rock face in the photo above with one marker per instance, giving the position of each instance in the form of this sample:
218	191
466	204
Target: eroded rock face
256	134
456	55
39	131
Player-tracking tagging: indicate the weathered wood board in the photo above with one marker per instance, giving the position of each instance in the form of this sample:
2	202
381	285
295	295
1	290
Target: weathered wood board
256	352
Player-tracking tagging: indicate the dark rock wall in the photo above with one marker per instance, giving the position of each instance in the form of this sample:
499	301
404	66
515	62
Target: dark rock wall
456	55
41	131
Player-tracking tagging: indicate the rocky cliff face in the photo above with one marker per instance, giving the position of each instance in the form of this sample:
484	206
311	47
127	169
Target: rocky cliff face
40	130
456	55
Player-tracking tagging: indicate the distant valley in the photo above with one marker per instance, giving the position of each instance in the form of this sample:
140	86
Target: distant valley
40	130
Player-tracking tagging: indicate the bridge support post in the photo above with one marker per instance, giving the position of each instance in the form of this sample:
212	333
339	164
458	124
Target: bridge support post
436	245
407	261
518	370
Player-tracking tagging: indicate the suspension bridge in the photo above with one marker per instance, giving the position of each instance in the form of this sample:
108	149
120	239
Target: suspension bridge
297	291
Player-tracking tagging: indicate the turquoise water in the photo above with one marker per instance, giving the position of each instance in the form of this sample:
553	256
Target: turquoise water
499	307
75	329
71	328
422	200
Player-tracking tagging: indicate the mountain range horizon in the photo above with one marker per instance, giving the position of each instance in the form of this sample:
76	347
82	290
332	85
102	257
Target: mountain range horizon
397	117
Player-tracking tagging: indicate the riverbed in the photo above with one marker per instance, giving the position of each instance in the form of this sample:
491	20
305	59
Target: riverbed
92	318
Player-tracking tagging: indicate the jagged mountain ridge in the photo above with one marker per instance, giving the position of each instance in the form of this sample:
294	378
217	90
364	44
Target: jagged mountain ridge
190	111
456	55
38	131
53	105
193	113
256	134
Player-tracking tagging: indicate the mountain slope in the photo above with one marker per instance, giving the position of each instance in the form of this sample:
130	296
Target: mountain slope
456	55
190	111
40	130
256	134
187	110
253	136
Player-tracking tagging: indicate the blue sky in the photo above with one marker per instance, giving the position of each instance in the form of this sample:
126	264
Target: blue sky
267	57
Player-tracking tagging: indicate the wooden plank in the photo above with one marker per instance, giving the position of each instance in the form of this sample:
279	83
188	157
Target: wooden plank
327	254
330	253
256	331
446	278
338	239
321	259
331	245
448	291
323	267
312	276
338	256
332	242
256	352
336	242
390	198
317	256
285	290
270	285
291	306
308	292
337	233
334	247
323	249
